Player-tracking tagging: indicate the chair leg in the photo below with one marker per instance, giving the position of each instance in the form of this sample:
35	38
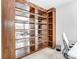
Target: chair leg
66	56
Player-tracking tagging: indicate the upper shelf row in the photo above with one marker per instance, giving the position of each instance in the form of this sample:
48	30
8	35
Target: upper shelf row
25	10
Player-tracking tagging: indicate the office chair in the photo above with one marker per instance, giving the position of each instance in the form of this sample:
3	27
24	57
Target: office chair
66	47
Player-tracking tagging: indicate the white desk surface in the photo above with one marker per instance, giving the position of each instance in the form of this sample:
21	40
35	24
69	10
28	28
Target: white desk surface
73	51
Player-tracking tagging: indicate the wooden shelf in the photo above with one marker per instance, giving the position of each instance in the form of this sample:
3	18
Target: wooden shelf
30	17
25	54
21	1
49	23
50	41
50	30
32	37
25	22
25	30
42	42
49	35
49	17
26	11
25	46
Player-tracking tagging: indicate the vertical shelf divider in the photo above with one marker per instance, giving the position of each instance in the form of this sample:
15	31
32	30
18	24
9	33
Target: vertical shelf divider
36	31
52	28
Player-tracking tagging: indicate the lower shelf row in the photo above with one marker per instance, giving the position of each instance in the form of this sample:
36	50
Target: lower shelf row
28	50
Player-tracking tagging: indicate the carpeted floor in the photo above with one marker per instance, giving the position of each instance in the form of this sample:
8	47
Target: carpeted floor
45	53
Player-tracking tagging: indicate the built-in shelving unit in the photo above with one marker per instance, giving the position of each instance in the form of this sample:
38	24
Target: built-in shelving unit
26	28
30	29
51	27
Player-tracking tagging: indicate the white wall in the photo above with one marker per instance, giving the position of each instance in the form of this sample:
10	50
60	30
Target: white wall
66	21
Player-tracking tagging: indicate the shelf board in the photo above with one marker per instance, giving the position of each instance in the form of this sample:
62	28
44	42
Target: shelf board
50	17
50	35
24	46
42	23
25	38
42	29
43	41
23	21
50	29
31	13
25	54
20	9
20	21
33	37
21	1
26	22
50	23
29	17
24	30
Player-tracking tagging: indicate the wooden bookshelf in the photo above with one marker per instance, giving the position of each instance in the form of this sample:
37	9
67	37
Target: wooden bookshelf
32	28
52	28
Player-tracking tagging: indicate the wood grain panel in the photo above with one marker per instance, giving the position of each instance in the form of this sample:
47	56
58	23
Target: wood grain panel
52	27
21	1
8	35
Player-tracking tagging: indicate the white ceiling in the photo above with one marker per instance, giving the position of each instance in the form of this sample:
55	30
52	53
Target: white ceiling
47	4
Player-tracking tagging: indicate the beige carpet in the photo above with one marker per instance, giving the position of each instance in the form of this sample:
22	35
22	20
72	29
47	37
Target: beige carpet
45	53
